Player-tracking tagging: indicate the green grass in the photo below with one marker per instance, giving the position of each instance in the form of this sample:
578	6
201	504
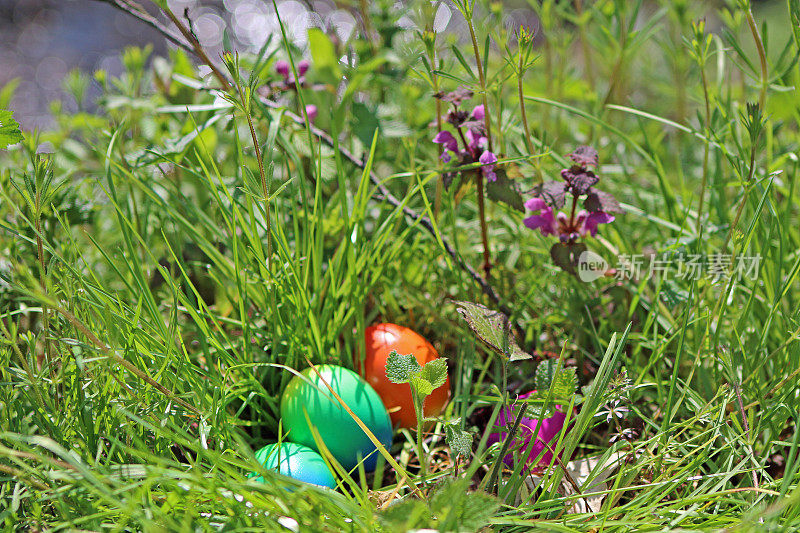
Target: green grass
144	350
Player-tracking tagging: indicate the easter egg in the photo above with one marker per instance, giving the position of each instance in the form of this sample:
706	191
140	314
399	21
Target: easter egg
525	449
296	461
307	396
381	340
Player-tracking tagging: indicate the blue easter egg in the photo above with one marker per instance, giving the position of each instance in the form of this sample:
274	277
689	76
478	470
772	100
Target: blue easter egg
296	461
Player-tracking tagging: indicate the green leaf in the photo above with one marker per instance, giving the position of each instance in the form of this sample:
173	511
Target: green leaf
324	55
505	190
493	329
421	387
457	509
561	382
435	372
7	92
9	129
565	383
364	122
545	372
460	441
401	368
566	254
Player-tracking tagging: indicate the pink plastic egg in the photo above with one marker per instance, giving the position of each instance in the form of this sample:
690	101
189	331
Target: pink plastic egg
525	449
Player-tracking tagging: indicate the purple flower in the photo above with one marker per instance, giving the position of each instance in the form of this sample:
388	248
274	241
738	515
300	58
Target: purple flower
302	67
587	222
544	221
488	159
478	113
475	140
528	448
311	112
282	68
566	229
449	143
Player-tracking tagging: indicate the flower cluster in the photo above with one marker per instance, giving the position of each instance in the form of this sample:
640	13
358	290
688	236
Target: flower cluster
289	83
578	181
470	128
285	70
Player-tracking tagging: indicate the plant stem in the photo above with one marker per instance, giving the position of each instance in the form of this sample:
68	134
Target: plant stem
423	462
259	158
587	56
437	205
486	120
524	115
703	184
745	195
487	262
737	388
762	55
42	282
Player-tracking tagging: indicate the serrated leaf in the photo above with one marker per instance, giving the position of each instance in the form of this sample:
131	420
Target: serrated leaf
435	372
401	368
453	504
585	156
545	372
505	190
552	192
601	201
460	441
492	328
421	387
566	254
560	382
565	383
9	129
581	181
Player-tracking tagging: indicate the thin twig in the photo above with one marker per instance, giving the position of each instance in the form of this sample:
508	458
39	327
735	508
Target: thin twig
198	48
135	10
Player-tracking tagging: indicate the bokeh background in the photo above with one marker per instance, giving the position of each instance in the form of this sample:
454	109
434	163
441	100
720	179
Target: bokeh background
42	40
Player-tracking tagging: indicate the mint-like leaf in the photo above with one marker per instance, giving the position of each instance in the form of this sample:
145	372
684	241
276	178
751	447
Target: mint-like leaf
552	192
585	156
493	329
435	372
545	372
429	377
565	383
9	129
601	201
566	254
505	190
460	441
401	368
561	382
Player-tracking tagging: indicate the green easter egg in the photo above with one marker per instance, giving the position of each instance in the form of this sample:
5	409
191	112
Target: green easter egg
296	461
347	442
